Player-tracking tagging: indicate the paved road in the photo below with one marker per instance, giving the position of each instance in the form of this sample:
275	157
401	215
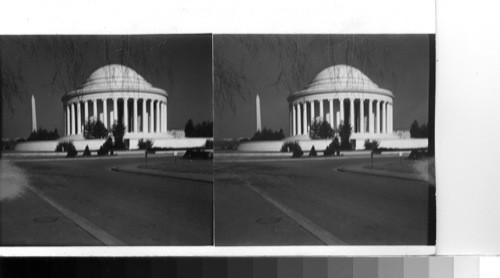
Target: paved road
308	202
82	202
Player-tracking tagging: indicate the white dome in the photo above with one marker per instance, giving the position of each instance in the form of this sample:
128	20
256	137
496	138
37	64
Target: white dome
341	78
115	78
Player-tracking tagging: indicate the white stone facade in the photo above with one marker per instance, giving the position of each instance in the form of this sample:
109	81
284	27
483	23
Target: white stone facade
343	94
116	93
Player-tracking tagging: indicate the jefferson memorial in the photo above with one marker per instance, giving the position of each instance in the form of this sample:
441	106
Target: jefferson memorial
116	93
343	94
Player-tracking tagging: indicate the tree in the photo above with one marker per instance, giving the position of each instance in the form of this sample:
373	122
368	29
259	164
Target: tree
345	131
320	130
267	134
415	130
189	129
94	130
118	129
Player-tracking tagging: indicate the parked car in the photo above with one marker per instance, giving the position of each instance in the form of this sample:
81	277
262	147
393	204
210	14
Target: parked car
198	153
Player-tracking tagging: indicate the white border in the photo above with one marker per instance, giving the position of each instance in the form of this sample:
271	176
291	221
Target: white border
212	16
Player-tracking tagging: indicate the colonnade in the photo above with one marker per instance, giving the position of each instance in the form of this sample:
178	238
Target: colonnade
140	120
365	115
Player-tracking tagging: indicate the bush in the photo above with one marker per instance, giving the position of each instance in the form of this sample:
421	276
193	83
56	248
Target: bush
145	144
118	131
43	135
333	148
106	148
297	152
71	150
320	130
63	146
268	135
345	131
313	152
289	146
371	145
94	130
209	144
86	152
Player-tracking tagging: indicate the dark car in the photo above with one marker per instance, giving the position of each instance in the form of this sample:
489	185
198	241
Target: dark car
198	153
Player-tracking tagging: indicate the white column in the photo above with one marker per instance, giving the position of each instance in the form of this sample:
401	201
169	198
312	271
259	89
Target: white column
352	122
125	114
331	113
163	117
144	117
151	116
299	119
294	120
290	121
68	120
115	110
312	111
78	118
157	127
306	129
166	115
85	111
389	116
135	116
321	112
362	115
341	102
377	117
384	124
105	111
73	129
94	103
370	116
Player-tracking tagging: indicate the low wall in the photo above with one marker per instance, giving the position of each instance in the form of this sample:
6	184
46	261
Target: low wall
179	143
320	145
94	145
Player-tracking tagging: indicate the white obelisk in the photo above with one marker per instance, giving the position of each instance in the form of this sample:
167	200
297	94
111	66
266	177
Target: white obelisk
257	104
33	114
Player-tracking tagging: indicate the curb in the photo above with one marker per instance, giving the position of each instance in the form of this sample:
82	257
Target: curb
380	174
157	173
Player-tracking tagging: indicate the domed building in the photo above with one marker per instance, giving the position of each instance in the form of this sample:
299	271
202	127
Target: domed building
116	93
343	94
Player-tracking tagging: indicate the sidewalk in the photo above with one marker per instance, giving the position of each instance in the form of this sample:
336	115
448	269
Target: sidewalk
134	169
360	169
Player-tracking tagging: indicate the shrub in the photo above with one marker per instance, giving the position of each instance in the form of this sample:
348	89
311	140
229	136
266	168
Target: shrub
71	150
118	131
209	144
63	146
320	130
313	152
86	152
371	145
345	131
333	148
289	146
297	152
145	144
94	130
106	148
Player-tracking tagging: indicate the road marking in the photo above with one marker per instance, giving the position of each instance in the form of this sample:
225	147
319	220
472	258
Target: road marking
86	225
317	231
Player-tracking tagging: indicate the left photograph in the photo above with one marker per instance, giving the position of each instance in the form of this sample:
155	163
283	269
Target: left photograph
106	140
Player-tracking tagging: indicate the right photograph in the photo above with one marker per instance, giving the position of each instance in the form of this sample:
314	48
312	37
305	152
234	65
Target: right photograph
324	140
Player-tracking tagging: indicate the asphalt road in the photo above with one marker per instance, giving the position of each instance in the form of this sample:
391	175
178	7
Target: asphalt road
82	202
308	202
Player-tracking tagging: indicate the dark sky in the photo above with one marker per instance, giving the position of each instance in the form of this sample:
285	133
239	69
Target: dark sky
48	66
273	66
